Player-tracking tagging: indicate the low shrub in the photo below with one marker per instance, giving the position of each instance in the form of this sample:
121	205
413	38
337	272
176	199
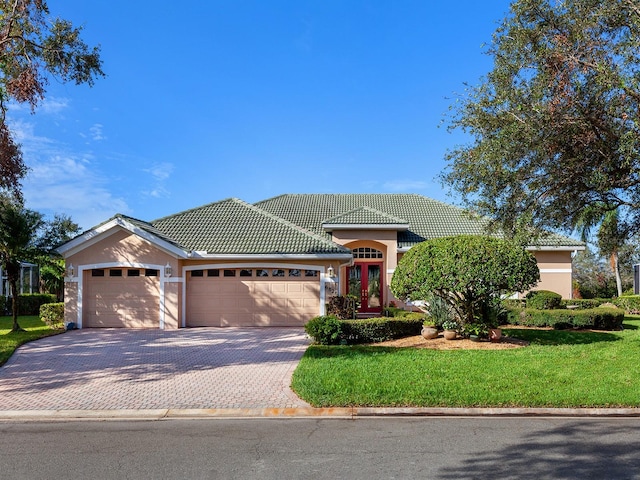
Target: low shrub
584	303
52	314
325	329
543	300
630	304
380	329
597	318
343	306
4	305
394	312
29	304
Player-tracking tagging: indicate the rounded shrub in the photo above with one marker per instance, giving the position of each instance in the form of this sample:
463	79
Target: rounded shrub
543	300
325	329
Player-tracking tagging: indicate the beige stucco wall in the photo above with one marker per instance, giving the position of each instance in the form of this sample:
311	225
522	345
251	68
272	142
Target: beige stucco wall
122	248
555	272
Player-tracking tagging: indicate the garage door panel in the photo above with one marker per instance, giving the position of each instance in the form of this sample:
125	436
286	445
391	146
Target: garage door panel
121	302
242	301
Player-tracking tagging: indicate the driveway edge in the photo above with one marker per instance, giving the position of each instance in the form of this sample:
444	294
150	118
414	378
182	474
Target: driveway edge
304	412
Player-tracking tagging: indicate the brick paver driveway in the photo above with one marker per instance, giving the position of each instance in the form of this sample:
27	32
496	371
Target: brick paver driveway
200	368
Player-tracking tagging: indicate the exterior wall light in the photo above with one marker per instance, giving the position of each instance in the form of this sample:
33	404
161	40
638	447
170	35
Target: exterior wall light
168	270
330	272
71	270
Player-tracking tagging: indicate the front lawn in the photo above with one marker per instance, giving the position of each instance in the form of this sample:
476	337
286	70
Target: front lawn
35	328
558	369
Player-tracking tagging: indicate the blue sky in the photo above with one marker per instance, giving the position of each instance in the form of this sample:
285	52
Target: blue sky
211	99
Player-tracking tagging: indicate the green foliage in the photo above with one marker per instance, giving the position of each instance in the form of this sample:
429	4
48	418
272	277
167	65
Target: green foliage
343	306
372	330
581	304
555	126
439	310
597	318
469	272
29	304
479	329
630	305
543	300
450	325
52	314
325	329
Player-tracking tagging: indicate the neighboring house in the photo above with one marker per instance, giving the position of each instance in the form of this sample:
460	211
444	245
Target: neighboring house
29	280
274	263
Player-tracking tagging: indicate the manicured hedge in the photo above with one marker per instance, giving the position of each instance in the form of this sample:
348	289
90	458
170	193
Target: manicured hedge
52	314
630	304
543	300
380	329
329	330
28	304
582	303
597	318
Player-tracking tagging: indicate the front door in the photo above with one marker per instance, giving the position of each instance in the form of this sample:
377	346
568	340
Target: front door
365	282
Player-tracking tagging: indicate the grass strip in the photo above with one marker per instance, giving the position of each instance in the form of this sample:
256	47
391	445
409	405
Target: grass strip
558	369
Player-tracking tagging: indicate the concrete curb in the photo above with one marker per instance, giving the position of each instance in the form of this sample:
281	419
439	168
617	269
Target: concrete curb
304	412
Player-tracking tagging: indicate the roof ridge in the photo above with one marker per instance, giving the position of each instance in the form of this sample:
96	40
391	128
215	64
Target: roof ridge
368	209
289	224
188	210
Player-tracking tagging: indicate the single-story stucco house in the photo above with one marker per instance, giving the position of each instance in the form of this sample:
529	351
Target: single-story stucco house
272	263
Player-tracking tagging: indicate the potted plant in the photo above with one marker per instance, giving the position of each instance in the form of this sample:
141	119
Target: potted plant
450	329
476	331
429	329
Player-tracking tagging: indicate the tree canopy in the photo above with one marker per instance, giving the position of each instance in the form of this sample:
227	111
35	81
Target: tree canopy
33	48
555	126
470	272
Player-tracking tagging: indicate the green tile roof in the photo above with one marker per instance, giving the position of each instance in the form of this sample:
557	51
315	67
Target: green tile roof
365	216
427	218
234	227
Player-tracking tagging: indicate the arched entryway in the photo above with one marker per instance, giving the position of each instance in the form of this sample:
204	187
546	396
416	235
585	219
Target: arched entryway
366	279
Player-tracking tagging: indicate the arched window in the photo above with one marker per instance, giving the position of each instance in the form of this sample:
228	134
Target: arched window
366	252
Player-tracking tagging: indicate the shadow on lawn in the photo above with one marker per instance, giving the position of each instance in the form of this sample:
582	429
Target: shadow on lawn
560	337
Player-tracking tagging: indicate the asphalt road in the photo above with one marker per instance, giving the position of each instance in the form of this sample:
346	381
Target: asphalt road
367	448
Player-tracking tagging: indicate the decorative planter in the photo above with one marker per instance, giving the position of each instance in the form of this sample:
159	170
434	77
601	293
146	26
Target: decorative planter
450	334
495	334
429	332
474	338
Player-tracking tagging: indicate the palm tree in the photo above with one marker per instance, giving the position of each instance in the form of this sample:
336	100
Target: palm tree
611	235
18	228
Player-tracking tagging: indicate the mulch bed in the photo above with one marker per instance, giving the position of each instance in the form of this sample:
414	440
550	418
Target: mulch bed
459	343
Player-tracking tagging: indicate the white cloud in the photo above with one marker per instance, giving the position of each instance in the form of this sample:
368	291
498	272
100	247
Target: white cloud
404	185
61	181
159	172
64	184
96	132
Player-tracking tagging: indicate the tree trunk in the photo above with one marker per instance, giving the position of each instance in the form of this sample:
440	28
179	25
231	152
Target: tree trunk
616	271
13	274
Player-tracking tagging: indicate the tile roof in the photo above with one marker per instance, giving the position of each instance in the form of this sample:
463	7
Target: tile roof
427	218
235	227
365	216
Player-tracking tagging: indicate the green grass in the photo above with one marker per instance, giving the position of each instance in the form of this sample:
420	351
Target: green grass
558	369
34	329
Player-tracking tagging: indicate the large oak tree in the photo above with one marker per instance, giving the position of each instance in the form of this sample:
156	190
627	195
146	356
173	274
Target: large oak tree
33	48
555	126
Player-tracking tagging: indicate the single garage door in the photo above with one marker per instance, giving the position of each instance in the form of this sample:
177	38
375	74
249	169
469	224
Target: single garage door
252	297
121	297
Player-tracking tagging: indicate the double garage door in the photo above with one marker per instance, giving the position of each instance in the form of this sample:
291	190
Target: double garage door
252	297
121	297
